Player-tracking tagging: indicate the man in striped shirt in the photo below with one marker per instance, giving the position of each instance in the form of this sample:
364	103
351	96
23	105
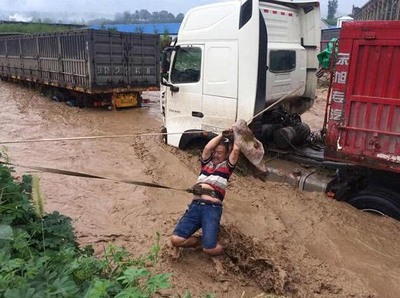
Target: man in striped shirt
218	161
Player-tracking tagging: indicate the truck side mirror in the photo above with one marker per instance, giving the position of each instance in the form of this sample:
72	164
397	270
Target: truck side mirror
165	60
172	87
165	64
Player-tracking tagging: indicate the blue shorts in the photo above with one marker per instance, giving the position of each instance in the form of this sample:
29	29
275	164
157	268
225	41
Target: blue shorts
204	215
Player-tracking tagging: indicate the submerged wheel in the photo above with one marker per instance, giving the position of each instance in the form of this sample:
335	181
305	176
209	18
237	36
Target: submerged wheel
164	135
380	201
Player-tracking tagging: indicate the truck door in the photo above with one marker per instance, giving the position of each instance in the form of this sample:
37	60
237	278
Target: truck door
220	85
184	99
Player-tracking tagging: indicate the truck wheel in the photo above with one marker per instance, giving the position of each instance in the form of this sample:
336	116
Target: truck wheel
164	135
377	200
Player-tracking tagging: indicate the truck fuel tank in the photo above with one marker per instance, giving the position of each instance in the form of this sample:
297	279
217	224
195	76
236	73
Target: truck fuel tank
304	178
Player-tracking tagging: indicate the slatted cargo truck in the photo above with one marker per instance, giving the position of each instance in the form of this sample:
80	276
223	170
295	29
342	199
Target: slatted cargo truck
92	67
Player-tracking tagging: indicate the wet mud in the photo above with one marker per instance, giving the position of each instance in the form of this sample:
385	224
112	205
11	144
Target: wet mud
278	240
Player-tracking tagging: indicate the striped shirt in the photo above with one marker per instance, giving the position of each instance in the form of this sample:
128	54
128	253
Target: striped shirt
216	175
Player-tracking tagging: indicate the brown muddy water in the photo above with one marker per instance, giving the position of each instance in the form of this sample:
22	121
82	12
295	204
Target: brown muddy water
279	240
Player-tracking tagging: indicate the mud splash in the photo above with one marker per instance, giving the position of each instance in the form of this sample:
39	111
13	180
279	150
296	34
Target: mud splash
246	257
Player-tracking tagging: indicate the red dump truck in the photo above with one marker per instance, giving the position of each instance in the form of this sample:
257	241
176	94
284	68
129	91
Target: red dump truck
364	117
357	160
357	157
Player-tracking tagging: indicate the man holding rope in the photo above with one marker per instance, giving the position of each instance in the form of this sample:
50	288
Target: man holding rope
218	161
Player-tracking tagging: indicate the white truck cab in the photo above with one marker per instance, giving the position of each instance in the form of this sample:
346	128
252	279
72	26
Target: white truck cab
233	59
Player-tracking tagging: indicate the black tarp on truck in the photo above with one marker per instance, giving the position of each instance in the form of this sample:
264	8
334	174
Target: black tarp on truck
89	62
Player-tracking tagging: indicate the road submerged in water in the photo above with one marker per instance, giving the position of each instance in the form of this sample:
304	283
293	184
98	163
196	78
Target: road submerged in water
279	240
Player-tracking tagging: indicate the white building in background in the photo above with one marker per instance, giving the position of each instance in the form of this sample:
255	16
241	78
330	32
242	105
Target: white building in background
343	19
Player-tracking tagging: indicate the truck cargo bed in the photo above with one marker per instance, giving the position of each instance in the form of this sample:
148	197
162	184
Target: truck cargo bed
364	119
90	61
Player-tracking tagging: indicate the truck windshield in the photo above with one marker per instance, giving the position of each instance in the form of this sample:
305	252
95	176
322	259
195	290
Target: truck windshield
187	65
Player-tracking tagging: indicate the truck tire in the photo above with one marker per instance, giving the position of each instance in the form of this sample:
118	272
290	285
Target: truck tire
377	200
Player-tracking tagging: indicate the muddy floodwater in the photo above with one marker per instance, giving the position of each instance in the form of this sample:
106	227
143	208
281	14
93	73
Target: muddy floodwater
279	240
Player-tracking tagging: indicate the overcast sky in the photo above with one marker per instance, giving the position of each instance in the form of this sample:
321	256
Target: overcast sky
111	7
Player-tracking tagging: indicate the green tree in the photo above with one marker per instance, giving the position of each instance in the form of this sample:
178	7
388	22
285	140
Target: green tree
332	9
155	16
179	18
165	16
140	16
165	39
144	15
127	17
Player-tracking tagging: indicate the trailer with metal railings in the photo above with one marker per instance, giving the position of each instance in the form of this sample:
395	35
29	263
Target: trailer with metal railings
89	67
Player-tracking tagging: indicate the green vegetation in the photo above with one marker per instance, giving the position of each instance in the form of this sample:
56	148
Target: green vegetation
39	255
32	28
141	16
165	39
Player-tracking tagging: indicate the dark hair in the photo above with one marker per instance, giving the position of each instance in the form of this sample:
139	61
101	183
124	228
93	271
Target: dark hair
224	142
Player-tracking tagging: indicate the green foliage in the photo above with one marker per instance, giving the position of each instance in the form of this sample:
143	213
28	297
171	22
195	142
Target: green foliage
165	40
144	16
37	196
139	16
32	28
40	258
